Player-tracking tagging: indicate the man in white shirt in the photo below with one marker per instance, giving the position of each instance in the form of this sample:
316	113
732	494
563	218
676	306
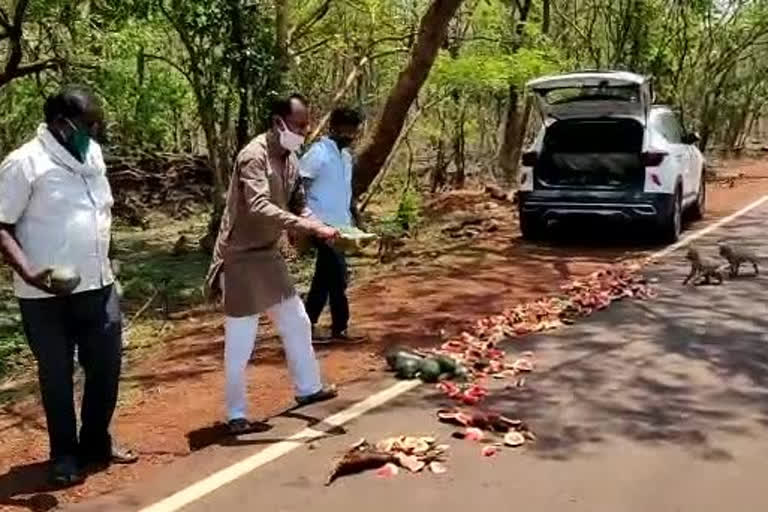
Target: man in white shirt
55	210
327	172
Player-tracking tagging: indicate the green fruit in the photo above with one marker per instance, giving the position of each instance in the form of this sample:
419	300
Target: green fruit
64	279
429	370
460	373
392	358
447	364
394	355
353	239
407	368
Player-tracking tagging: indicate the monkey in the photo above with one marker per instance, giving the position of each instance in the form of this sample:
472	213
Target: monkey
737	256
180	247
703	267
387	244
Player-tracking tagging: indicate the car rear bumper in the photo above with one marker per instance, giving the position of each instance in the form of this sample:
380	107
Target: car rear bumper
620	206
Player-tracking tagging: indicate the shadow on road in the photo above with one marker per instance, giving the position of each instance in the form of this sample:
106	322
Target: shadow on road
689	368
25	487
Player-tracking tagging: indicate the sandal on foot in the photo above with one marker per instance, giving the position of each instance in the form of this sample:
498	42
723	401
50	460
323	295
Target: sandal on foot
123	455
98	460
327	393
347	336
64	472
240	426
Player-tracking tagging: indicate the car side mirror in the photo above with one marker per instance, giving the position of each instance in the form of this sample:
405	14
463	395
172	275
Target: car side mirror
691	138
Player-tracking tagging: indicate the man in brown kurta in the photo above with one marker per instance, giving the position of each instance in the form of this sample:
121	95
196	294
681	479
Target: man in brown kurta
265	198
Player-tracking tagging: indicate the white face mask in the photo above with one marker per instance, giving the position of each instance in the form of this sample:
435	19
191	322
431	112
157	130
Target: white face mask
289	140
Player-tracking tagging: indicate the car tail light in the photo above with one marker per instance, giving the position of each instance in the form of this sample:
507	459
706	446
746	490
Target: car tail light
653	158
530	158
656	180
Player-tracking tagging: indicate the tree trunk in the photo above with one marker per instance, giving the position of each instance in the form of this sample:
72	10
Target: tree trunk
438	172
431	36
522	126
510	137
282	17
459	154
240	73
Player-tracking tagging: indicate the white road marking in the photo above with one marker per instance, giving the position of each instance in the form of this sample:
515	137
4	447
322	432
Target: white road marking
229	474
705	231
221	478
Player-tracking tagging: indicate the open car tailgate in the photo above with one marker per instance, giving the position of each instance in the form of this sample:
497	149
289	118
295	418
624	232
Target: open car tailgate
592	94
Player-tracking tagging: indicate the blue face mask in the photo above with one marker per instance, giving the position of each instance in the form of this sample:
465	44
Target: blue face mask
80	141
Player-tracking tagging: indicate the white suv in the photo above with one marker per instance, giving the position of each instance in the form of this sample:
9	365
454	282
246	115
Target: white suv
605	151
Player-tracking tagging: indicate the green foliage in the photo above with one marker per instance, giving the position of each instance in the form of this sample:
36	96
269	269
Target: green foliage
409	210
493	74
14	351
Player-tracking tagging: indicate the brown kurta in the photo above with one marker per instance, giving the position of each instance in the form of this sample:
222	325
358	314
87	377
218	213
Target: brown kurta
265	197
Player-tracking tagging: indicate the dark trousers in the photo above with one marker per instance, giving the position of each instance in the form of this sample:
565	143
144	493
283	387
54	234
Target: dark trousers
91	322
329	284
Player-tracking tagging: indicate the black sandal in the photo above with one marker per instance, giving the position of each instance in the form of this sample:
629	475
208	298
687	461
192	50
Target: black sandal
327	393
241	426
65	472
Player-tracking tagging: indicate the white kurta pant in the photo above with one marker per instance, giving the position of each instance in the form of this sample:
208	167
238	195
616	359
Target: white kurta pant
292	324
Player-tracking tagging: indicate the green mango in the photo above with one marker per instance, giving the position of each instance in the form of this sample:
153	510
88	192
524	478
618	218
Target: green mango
461	373
447	364
429	370
64	280
407	368
394	355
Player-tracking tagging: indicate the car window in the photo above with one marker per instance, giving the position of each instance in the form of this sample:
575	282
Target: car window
669	127
562	95
675	130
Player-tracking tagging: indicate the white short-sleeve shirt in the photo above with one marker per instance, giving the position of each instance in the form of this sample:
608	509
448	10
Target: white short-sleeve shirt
61	209
329	187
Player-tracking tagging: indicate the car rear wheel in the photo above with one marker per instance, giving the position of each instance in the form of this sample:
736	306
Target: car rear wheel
531	227
699	207
672	225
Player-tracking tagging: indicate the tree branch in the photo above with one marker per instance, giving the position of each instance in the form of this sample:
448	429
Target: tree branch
298	31
29	69
177	67
5	22
376	185
311	47
15	34
348	82
19	12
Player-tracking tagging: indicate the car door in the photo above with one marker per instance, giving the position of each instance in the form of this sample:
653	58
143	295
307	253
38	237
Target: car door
693	165
680	153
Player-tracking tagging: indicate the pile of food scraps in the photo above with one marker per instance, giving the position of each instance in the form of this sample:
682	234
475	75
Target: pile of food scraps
476	354
462	365
412	453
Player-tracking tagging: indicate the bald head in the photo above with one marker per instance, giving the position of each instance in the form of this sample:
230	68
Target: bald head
75	105
74	117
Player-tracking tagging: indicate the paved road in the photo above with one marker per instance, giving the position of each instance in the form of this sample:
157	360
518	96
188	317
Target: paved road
650	406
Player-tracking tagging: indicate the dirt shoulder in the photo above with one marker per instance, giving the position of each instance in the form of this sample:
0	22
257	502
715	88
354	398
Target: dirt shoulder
172	399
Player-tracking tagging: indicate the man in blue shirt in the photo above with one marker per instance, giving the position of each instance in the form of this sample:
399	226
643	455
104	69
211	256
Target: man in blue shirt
327	172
